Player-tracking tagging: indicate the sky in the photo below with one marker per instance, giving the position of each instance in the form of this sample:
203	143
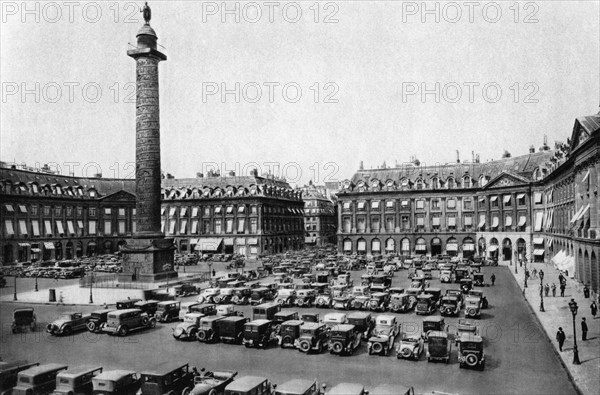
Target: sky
304	89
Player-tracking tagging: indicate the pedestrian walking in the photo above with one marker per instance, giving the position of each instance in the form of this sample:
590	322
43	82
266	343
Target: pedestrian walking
534	272
561	278
520	263
214	273
594	309
562	289
526	274
493	279
553	290
560	338
584	329
546	289
586	292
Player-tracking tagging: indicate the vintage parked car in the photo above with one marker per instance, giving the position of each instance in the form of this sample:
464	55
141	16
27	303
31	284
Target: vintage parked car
231	329
265	311
168	311
210	383
127	303
185	308
260	295
438	346
118	382
285	297
333	319
479	294
121	322
208	295
204	308
9	372
96	319
433	324
466	284
392	389
461	272
305	297
228	310
259	333
283	316
363	322
68	323
410	346
413	293
39	379
188	329
208	330
225	296
342	302
241	295
425	304
478	280
470	351
249	385
289	332
379	301
310	317
147	306
451	305
426	273
324	299
384	335
360	297
24	318
344	339
168	378
472	306
446	276
76	381
381	279
313	336
467	327
401	303
456	292
185	289
347	389
297	387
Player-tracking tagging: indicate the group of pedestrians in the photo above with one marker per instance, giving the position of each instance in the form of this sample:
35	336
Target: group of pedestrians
560	335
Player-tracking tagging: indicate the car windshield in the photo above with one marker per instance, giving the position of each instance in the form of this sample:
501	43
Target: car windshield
438	341
473	346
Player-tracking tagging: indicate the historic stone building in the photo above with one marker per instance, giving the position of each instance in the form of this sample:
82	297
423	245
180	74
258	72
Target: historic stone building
534	206
50	216
320	218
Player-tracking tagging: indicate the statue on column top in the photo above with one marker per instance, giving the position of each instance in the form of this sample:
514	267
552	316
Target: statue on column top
147	13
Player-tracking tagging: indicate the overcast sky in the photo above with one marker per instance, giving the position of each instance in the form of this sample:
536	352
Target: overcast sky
499	76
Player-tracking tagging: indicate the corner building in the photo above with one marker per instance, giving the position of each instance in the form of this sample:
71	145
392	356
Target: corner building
539	206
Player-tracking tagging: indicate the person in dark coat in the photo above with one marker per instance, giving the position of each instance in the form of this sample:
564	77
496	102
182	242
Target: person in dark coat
594	309
560	338
562	289
584	329
493	279
586	291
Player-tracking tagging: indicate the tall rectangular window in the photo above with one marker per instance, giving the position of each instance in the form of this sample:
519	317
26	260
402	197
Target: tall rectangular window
360	224
92	227
405	222
347	223
241	228
253	225
218	226
420	204
107	228
375	224
121	227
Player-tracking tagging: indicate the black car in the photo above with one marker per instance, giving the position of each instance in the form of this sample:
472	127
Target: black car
97	318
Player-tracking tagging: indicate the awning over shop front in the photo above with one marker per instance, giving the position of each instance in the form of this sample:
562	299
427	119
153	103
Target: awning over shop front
240	241
253	241
228	241
309	240
468	247
493	248
538	240
452	247
35	250
48	245
24	245
209	244
538	252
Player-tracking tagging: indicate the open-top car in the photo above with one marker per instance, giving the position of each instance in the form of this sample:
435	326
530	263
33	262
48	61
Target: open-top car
289	332
168	311
472	306
433	324
208	295
313	336
344	339
121	322
24	318
259	333
210	383
450	305
438	346
478	293
208	329
379	301
382	340
286	297
305	297
410	347
188	329
401	303
241	295
68	323
470	351
167	378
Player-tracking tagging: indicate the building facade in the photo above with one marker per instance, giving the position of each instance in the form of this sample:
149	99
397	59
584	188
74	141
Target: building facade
320	218
47	216
535	206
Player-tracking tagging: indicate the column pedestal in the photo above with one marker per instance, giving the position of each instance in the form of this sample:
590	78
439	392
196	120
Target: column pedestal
148	260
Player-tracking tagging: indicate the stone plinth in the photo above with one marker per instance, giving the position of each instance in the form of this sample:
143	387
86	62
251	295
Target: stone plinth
148	260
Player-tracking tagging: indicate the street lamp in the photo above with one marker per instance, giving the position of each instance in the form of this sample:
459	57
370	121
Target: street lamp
573	307
15	294
36	284
542	290
91	284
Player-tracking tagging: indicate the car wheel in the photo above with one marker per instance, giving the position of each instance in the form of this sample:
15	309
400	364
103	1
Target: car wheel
152	323
91	326
123	330
377	347
67	331
186	391
471	360
202	336
304	346
405	353
337	347
201	299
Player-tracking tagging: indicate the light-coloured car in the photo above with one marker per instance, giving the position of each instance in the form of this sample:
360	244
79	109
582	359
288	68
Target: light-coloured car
384	335
208	295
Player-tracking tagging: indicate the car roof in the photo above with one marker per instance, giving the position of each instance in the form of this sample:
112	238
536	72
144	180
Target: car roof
437	334
389	389
434	318
259	322
113	375
163	368
78	370
42	368
124	311
343	328
166	302
128	300
23	309
295	386
292	322
470	337
450	297
234	318
386	317
425	296
334	315
431	289
209	318
194	314
245	383
346	389
311	325
358	314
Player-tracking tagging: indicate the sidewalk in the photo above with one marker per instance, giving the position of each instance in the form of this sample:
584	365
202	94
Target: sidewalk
557	314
